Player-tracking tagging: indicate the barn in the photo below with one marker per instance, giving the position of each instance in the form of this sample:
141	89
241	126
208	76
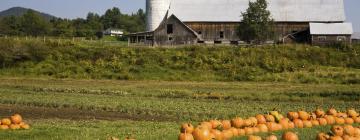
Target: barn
176	22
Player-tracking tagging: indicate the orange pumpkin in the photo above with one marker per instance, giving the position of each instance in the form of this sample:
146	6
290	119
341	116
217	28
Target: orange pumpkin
4	127
307	124
349	130
348	137
256	130
269	118
234	131
290	136
226	124
254	121
319	113
241	132
260	119
201	133
352	113
284	123
24	126
336	138
315	122
208	125
304	115
185	136
322	136
227	134
187	127
292	115
247	123
215	124
339	120
14	126
217	134
16	119
337	130
248	131
263	128
271	137
237	122
5	121
330	119
322	121
342	115
254	137
356	119
291	125
332	111
298	123
349	120
356	132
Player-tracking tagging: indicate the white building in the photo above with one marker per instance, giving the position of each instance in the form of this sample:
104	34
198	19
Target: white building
113	32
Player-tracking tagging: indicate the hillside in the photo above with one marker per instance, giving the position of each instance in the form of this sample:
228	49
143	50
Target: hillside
284	63
19	11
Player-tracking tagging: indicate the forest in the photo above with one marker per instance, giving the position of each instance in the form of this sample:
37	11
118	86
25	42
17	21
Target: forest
33	24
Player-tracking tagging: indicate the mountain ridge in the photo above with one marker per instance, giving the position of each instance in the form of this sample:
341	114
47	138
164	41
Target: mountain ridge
19	11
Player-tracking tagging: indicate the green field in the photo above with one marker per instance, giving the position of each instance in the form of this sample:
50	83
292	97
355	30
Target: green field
94	90
98	109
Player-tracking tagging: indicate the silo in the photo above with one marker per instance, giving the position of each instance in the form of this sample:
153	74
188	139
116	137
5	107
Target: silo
155	13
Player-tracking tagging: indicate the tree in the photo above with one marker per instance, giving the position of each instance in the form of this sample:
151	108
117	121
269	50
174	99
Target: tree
111	18
33	24
62	27
10	26
257	24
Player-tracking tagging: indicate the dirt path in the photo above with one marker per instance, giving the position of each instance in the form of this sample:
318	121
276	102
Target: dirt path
73	114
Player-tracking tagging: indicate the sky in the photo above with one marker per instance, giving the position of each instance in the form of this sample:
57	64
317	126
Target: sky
80	8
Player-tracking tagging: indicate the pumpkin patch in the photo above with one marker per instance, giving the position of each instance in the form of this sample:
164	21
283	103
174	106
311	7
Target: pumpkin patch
14	122
274	121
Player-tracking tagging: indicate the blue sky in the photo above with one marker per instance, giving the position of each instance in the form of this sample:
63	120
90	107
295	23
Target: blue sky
80	8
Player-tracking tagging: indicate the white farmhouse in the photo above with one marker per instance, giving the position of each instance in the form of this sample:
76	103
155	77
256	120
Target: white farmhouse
113	32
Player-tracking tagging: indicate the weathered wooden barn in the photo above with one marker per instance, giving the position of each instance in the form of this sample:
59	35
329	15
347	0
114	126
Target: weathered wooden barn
216	22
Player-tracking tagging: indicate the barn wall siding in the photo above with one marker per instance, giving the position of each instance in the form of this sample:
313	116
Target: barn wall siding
210	31
329	39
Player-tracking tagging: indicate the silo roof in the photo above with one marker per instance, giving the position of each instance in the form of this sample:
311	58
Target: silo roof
281	10
331	29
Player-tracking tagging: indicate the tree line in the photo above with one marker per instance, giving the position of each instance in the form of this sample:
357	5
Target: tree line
33	24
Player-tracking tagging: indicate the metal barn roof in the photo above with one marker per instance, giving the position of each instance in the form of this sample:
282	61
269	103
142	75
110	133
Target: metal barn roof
331	29
282	10
356	35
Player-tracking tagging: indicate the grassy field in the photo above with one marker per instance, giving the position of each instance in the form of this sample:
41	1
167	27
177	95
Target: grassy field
98	109
97	89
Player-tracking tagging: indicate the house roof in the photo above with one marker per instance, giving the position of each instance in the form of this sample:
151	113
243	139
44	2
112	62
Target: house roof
282	10
356	35
331	29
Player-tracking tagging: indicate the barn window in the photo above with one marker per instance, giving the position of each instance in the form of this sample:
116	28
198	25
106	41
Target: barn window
170	29
322	38
221	34
217	42
200	41
170	38
341	38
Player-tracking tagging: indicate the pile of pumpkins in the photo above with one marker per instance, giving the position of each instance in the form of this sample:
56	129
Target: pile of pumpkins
265	123
15	122
346	132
